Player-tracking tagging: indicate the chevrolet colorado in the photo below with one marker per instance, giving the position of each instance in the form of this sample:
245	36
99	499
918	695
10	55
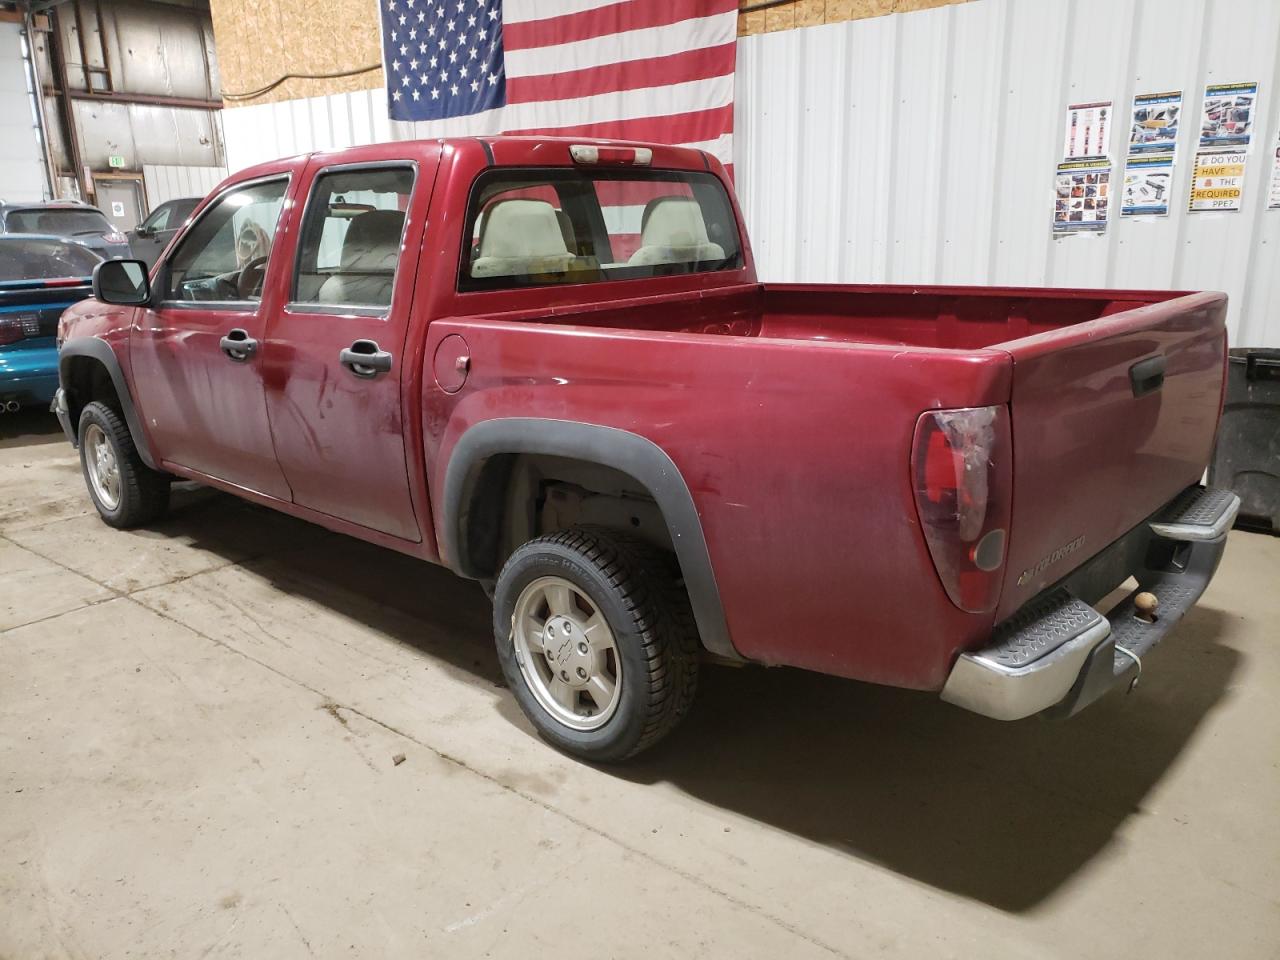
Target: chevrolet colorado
549	366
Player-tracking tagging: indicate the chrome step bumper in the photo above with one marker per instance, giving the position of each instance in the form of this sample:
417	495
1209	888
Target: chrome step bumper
1058	653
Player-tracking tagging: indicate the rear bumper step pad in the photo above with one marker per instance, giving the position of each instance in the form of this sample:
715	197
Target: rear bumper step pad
1058	654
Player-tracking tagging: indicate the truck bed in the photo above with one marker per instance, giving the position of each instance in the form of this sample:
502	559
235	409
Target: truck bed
950	318
820	397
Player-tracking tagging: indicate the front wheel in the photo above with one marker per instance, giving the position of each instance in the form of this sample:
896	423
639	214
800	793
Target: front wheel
597	641
126	492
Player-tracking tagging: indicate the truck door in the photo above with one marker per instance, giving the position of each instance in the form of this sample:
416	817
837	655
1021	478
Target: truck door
337	391
197	355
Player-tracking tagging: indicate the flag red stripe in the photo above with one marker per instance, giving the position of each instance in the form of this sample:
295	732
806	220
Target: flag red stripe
602	21
628	75
693	127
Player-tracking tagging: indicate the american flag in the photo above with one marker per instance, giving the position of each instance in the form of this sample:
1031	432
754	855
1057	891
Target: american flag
659	70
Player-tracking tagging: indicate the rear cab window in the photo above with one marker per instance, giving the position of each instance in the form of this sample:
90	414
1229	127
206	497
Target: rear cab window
559	226
58	222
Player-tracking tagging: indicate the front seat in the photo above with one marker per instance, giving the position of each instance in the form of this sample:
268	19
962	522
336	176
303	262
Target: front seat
672	231
367	267
521	238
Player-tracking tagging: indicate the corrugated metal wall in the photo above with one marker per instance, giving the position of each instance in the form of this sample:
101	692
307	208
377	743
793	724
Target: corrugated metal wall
920	148
21	165
165	182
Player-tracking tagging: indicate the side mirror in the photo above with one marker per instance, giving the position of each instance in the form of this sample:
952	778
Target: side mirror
122	282
142	231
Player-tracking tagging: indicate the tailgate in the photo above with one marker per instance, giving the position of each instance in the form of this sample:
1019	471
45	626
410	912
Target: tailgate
1099	441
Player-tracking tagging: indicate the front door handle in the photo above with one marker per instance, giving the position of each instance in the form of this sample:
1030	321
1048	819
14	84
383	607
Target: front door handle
365	359
238	345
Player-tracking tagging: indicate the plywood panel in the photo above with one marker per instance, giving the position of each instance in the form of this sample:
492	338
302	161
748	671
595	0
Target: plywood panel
261	40
808	13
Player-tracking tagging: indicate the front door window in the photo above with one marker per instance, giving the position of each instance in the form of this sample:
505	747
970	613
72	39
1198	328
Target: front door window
223	257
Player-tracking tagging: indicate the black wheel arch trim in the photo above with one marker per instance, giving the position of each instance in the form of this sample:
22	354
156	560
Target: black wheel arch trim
636	456
101	351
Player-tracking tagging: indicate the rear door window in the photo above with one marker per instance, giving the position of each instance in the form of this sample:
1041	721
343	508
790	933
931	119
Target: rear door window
351	237
568	226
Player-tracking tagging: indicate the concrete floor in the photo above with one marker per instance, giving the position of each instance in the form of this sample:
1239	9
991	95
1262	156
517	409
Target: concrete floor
197	725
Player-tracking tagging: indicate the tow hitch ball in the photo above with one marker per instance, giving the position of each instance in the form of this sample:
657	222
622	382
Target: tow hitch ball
1144	605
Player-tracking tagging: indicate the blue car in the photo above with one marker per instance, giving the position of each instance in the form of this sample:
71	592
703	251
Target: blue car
39	278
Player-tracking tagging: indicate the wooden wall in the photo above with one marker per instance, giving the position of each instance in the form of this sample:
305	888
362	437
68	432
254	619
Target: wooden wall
261	40
809	13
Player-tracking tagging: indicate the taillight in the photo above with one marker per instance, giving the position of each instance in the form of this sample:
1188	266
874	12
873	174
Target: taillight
115	237
13	329
961	464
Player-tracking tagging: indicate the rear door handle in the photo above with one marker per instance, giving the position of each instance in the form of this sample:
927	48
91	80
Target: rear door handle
238	345
365	359
1147	376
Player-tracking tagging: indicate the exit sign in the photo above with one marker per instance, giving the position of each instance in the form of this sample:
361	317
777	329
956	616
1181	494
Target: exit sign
115	161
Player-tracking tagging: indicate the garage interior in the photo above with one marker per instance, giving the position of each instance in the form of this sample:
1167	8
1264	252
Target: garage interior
233	733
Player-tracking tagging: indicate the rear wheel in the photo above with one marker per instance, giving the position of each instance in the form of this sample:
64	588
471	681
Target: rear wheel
125	491
597	641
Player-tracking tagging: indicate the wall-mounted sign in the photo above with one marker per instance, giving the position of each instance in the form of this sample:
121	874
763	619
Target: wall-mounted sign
1082	196
1148	186
1227	119
115	161
1154	128
1217	180
1274	202
117	208
1088	131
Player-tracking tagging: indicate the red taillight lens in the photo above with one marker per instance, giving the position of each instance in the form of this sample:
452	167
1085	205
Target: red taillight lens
961	465
13	329
115	236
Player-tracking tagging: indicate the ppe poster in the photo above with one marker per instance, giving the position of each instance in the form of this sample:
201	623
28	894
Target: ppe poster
1274	202
1148	186
1154	128
1217	180
1227	120
1088	131
1082	196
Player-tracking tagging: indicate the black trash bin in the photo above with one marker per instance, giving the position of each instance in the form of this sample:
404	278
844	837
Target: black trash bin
1247	458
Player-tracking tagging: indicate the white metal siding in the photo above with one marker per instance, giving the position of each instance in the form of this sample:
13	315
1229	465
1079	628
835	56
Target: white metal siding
165	182
920	147
21	166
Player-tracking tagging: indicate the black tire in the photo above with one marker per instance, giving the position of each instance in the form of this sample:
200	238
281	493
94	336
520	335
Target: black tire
144	493
637	589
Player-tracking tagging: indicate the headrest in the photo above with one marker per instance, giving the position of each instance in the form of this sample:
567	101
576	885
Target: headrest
521	228
373	240
672	222
566	231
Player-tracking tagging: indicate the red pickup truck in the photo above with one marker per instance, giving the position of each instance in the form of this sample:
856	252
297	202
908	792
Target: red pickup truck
549	366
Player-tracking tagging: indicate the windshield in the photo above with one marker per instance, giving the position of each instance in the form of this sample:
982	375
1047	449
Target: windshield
57	221
37	259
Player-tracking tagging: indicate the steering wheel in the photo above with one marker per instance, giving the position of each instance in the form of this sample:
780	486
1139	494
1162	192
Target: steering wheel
249	281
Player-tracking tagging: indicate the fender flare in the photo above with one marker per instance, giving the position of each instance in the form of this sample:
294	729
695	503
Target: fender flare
634	455
100	350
